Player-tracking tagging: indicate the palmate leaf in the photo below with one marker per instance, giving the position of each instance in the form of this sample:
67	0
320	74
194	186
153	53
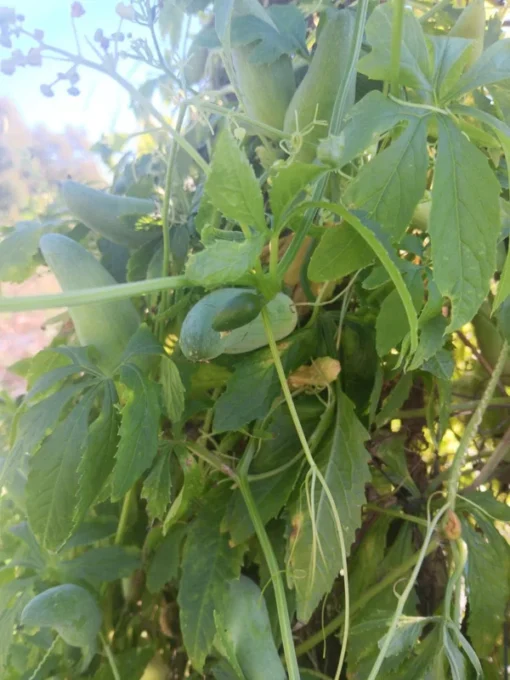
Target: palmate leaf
53	479
101	565
33	425
158	485
492	67
287	184
487	583
138	432
240	404
208	564
99	457
343	461
232	186
464	223
223	262
390	187
415	62
340	252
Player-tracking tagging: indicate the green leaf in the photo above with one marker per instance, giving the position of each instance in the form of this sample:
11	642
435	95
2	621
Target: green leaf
487	583
232	186
455	657
415	63
431	341
267	43
91	532
13	598
173	389
208	564
287	184
343	460
503	286
68	609
245	621
392	452
492	67
164	565
99	457
102	565
369	118
371	622
392	324
391	185
142	343
485	504
270	493
192	487
158	485
223	262
340	252
384	254
53	479
465	196
407	633
138	432
18	248
450	57
441	365
33	425
50	380
395	400
240	403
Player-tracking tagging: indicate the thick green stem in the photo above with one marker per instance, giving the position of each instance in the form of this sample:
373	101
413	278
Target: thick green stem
88	296
111	659
396	45
472	427
276	578
336	623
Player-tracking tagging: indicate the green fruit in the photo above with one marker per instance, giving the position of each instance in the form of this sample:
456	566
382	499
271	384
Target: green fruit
239	311
315	97
265	89
247	628
471	24
200	342
108	325
113	217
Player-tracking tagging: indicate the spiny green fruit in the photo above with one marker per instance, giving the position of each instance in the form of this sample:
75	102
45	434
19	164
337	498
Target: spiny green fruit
315	97
471	24
110	216
107	326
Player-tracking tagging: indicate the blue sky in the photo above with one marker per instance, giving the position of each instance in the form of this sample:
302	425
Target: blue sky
102	105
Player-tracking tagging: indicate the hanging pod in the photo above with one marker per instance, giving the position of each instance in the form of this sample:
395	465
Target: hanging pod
314	100
107	326
110	216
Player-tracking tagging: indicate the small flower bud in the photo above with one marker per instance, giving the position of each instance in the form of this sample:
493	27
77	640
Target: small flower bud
105	43
77	10
7	67
34	57
73	91
39	34
74	78
118	37
47	91
98	35
5	41
19	58
7	15
125	11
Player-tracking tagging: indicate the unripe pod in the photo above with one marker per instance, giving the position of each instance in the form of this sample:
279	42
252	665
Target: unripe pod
110	216
106	325
315	97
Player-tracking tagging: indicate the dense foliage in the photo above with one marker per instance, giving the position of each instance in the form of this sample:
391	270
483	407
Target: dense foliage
271	442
